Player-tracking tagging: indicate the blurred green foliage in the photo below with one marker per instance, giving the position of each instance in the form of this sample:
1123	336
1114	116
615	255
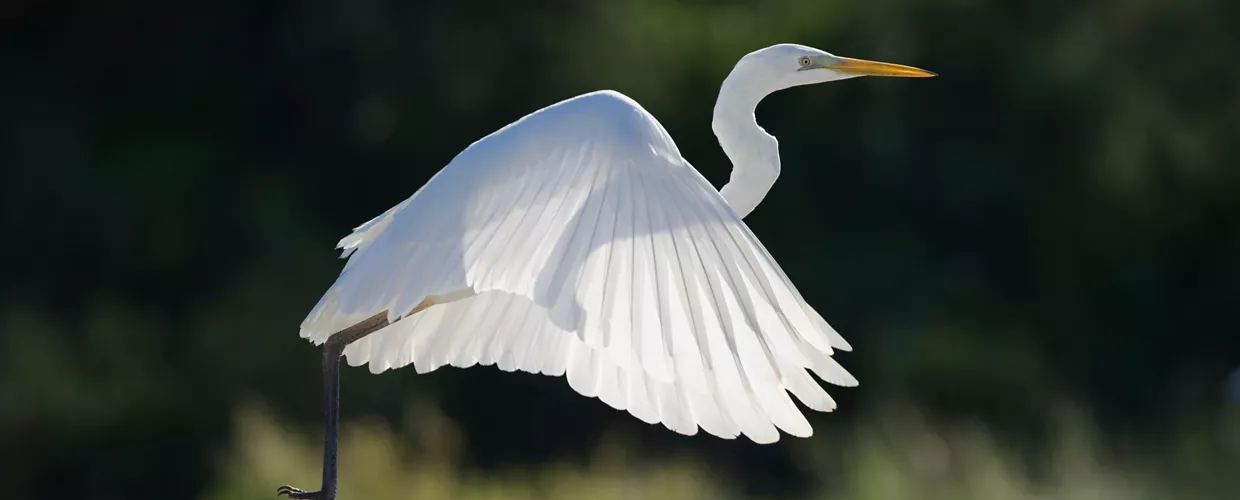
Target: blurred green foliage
897	456
1055	218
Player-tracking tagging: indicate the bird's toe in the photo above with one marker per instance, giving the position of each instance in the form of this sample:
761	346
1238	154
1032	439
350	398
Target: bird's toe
294	492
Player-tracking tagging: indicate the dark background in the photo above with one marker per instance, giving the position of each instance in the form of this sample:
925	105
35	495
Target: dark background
1036	255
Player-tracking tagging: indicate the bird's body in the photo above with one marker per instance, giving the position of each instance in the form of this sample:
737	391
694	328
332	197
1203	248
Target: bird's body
578	241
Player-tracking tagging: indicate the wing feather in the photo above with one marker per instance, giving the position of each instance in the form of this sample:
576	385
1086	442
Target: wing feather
577	242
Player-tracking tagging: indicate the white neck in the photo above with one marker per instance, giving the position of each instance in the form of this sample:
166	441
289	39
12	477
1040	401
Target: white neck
753	152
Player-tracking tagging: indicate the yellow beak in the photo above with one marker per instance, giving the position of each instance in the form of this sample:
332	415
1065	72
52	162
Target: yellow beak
863	67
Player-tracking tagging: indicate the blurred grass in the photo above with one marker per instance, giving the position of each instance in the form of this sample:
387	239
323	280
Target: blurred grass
380	465
900	456
1055	216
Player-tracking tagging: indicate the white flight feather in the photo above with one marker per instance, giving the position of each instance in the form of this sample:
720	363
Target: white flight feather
577	241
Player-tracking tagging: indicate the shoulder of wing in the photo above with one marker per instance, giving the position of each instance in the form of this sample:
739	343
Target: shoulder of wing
602	119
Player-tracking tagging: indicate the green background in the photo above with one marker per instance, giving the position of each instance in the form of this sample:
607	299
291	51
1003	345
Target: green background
1036	255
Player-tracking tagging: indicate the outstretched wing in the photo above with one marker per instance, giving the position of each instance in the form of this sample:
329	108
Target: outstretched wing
578	241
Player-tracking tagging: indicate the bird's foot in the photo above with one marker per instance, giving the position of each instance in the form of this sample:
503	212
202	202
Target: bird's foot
292	492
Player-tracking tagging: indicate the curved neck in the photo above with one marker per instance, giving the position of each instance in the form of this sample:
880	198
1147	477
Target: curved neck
753	152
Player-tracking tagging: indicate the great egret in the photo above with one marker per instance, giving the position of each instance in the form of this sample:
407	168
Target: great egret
577	240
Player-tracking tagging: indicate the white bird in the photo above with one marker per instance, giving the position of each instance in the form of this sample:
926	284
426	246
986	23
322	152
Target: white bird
578	241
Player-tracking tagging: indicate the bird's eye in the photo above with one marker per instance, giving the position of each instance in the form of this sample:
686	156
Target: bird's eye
805	61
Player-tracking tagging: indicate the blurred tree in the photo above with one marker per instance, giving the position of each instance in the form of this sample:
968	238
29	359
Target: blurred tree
1057	216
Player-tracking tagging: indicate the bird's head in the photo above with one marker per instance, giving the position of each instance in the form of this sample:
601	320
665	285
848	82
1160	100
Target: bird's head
788	65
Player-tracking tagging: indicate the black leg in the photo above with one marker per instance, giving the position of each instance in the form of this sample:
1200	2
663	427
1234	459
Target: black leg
332	350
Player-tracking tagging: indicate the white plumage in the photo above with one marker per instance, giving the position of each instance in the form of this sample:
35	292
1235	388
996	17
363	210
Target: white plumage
578	241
